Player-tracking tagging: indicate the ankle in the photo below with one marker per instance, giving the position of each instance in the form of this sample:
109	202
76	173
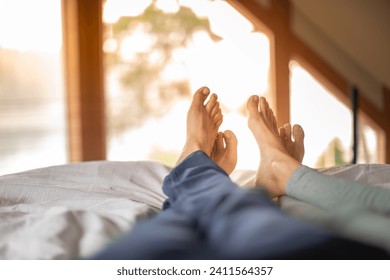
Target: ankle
281	170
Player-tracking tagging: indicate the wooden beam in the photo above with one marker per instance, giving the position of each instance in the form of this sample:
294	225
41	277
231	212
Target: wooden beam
320	69
83	52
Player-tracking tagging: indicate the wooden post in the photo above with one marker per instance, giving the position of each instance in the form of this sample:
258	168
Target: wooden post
280	55
83	53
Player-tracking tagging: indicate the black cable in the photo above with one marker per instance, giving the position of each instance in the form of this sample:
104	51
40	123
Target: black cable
355	100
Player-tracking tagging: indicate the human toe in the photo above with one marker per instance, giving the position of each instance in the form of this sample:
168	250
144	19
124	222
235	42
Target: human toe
218	119
211	103
253	106
200	96
230	139
287	129
298	133
282	134
215	110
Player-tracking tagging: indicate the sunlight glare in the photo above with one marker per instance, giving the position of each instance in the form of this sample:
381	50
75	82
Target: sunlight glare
26	26
224	72
225	21
371	138
115	9
138	42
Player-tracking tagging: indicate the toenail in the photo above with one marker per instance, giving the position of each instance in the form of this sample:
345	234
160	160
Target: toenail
255	98
205	90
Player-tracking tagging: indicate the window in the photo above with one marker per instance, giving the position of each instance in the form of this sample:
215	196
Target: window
371	140
328	124
32	122
157	53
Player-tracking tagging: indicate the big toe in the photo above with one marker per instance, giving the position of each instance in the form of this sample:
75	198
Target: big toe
253	107
200	96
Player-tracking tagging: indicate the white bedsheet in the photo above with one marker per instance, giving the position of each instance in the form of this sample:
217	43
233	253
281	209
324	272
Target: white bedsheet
73	210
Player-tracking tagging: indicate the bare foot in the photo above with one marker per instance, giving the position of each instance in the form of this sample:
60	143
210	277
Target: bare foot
292	140
276	165
203	122
224	152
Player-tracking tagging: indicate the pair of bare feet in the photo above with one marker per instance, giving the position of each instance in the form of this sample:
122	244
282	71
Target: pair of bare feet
280	155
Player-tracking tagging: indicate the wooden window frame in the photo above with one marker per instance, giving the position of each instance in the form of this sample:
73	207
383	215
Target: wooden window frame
83	52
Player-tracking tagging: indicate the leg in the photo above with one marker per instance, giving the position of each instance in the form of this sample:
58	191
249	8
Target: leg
360	210
173	234
280	169
334	194
276	165
207	210
237	223
243	224
168	235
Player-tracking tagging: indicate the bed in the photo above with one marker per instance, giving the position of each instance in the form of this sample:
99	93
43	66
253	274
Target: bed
73	210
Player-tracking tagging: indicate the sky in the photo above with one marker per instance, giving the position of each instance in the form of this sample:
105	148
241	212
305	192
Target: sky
27	25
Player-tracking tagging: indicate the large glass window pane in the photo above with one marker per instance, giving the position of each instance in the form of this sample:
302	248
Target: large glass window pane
328	124
326	121
32	123
157	53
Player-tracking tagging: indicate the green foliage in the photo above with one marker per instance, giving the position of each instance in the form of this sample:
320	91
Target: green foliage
338	153
332	156
184	22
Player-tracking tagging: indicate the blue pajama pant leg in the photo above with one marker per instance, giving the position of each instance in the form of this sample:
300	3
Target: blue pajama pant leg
168	235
